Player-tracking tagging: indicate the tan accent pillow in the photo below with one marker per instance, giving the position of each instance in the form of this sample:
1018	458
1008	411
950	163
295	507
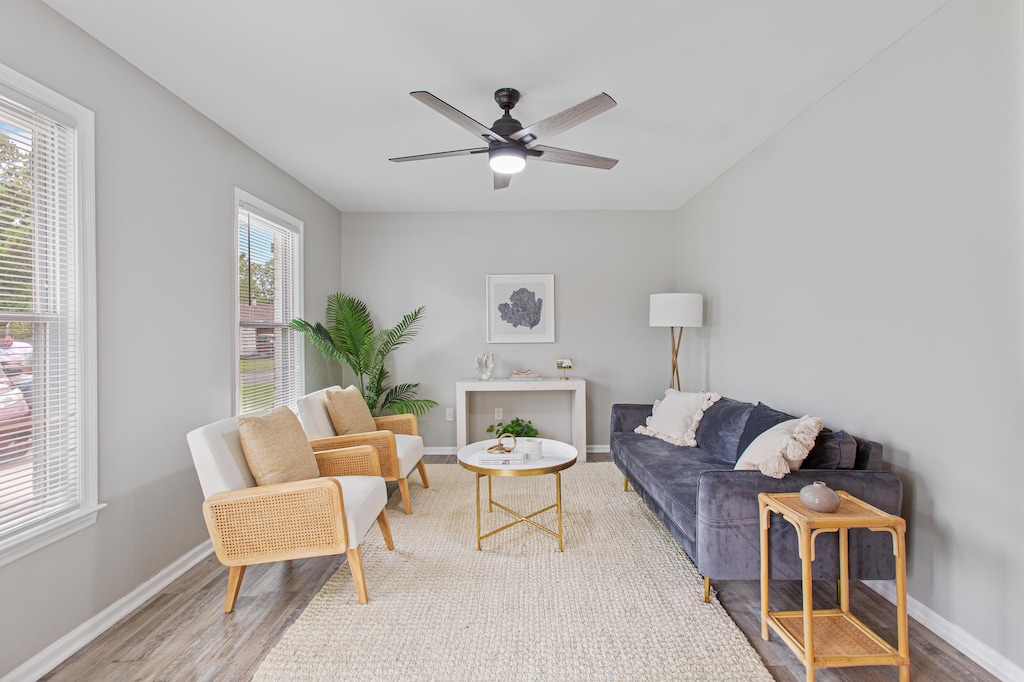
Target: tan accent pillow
348	411
276	448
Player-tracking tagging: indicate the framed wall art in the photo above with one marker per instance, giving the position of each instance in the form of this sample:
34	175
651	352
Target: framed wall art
520	308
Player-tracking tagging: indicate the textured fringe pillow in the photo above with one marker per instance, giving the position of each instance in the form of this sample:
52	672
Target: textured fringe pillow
782	448
676	417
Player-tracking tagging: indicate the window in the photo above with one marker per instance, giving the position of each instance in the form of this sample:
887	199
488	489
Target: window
48	478
269	297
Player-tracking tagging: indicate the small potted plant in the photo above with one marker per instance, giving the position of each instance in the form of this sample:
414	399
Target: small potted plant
517	427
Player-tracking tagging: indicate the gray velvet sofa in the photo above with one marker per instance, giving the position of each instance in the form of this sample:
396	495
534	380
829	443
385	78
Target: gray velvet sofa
711	509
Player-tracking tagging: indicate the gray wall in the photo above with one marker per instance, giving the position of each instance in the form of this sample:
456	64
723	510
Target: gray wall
865	265
165	261
606	264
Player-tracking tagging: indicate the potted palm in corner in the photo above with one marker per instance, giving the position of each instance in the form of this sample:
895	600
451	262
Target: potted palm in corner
351	339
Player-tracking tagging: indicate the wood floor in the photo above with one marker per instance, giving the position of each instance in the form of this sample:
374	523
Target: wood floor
184	634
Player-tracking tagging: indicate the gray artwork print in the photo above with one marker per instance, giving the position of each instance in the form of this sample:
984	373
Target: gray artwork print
523	309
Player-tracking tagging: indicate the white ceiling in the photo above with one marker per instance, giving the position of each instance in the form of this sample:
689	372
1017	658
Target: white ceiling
320	87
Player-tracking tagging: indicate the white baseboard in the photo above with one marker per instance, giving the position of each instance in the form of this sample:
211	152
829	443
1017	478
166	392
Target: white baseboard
58	652
963	641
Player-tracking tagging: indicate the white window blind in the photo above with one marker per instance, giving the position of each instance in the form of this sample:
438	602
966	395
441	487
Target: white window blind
47	421
269	284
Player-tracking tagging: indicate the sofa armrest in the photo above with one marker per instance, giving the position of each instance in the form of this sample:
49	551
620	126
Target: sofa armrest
398	423
628	416
728	529
724	496
359	460
277	522
382	441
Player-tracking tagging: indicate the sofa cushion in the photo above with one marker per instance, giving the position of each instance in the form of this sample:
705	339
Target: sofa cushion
832	450
675	418
761	419
782	448
669	474
721	427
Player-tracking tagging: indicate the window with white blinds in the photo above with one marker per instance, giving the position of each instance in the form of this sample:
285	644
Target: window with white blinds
48	462
269	369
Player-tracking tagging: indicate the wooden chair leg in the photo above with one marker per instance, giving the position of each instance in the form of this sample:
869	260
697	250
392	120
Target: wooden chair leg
403	487
423	473
355	564
385	528
235	575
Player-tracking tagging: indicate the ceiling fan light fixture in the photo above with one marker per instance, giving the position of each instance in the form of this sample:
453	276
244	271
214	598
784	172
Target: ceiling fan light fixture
507	159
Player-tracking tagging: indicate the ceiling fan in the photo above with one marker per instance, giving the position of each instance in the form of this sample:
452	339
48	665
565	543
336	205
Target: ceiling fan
509	143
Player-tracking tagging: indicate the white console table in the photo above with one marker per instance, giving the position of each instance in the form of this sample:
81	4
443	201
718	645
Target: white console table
576	387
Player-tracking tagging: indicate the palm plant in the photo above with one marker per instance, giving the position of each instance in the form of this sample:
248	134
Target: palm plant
352	340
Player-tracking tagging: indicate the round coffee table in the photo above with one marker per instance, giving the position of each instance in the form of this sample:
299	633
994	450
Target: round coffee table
557	456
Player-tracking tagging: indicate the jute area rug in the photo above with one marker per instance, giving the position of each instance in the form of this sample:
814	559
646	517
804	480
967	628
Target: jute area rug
622	602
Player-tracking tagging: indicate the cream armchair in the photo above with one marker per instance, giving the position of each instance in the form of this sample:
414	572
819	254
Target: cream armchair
252	524
397	441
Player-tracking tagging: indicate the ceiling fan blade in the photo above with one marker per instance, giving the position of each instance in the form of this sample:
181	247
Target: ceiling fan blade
440	155
556	155
564	120
456	116
501	180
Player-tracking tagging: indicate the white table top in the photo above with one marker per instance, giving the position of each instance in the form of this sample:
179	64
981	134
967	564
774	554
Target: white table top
556	457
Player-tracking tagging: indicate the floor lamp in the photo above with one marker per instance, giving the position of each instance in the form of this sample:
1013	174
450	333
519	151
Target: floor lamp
677	310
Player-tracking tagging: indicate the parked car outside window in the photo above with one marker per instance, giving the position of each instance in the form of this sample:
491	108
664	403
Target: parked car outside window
264	345
15	421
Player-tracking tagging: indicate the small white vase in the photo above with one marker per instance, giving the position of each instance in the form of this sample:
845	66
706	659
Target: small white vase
819	497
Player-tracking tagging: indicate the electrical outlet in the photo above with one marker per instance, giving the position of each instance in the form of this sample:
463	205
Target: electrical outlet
449	414
497	413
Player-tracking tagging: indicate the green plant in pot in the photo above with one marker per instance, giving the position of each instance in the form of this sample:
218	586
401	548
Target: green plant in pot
517	427
351	339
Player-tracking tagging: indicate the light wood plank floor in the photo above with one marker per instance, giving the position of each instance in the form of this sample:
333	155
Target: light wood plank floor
183	633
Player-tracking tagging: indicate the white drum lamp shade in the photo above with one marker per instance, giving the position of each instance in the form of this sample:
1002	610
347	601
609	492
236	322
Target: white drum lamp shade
677	310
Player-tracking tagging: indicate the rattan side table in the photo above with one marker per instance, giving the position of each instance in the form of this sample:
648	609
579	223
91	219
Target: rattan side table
827	638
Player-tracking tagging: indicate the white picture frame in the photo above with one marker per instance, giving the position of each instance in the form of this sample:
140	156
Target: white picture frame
520	308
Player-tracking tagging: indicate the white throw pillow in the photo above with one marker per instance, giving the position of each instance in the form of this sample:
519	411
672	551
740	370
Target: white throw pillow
675	418
782	448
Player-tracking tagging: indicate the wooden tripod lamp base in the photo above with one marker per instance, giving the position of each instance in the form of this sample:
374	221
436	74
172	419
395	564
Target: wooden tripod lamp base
672	311
676	341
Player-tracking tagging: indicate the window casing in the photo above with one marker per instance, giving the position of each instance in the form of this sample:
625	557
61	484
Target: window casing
268	354
48	452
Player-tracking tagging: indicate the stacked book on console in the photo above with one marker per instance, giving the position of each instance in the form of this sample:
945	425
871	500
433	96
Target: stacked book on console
525	376
514	457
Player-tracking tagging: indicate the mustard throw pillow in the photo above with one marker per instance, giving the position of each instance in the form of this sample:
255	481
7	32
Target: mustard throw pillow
349	412
276	448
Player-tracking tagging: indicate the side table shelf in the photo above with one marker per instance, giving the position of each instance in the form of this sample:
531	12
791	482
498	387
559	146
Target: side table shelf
826	638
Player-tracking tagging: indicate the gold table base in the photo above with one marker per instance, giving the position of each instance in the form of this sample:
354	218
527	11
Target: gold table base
528	518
